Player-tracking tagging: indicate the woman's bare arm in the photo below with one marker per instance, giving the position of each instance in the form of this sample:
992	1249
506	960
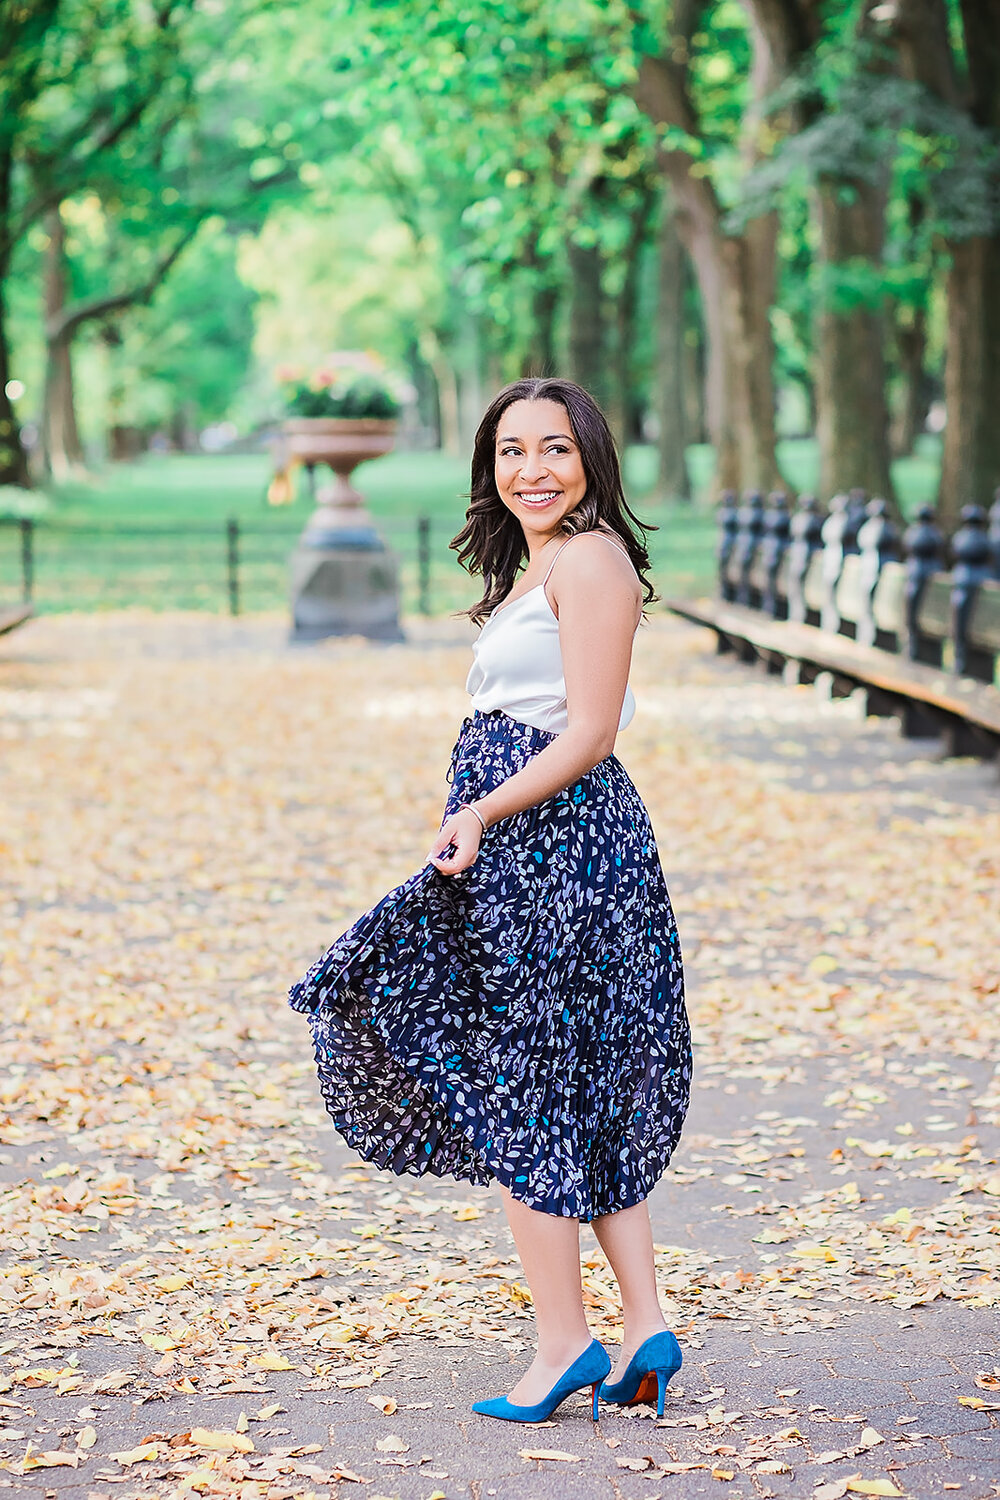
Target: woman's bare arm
598	600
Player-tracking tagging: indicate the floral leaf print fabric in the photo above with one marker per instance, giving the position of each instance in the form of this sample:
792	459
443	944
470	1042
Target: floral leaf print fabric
523	1020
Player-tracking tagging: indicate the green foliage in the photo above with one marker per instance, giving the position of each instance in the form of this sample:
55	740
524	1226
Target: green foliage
870	124
17	503
415	177
191	349
355	396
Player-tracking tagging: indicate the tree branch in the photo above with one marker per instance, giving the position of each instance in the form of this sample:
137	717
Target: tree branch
62	327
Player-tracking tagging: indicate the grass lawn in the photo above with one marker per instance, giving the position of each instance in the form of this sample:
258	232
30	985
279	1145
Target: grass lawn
153	532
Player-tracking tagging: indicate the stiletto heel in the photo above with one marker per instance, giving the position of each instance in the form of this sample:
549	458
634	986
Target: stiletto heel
589	1369
659	1357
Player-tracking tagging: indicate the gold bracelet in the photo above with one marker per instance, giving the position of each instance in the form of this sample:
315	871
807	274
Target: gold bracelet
468	807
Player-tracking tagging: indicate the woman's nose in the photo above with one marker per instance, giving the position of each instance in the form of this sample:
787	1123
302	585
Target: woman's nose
533	469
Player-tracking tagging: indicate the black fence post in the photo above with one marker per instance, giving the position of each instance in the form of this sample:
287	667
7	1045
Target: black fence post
994	533
971	551
27	559
777	535
233	563
923	546
424	564
878	541
748	538
728	513
806	539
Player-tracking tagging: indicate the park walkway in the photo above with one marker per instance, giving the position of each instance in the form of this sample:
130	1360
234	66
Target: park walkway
202	1292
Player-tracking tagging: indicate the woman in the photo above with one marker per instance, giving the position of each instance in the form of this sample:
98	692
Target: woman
515	1011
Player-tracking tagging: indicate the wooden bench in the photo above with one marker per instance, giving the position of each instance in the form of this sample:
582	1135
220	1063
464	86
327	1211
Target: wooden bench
926	700
807	596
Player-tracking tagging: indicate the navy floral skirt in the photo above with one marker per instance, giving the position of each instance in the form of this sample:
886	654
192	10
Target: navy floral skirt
523	1020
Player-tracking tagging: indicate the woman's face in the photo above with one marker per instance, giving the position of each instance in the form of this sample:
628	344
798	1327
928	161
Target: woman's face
539	471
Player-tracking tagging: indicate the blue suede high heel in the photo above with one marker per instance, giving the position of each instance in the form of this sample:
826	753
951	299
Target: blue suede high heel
651	1367
589	1368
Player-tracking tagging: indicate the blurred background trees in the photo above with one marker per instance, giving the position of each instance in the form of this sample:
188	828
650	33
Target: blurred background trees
733	220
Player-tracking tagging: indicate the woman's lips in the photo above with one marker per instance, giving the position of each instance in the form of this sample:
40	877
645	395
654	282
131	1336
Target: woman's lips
537	498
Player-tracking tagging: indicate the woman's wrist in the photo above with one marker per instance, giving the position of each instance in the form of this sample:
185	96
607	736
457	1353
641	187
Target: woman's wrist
470	807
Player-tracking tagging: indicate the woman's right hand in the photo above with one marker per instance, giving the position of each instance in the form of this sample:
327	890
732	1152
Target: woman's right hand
457	844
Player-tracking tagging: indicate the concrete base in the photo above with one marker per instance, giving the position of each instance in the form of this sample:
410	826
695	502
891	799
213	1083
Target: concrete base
345	590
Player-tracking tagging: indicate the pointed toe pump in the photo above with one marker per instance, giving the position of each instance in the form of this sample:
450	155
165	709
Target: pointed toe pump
589	1369
648	1373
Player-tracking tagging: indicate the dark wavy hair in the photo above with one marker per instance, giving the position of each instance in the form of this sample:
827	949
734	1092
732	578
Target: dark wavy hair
492	544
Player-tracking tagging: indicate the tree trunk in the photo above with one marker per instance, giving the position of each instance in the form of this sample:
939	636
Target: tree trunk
735	278
62	451
622	412
915	394
851	378
13	459
670	363
970	470
695	379
542	358
588	337
447	392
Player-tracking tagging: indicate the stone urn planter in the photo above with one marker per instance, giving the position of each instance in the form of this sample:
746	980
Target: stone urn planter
344	579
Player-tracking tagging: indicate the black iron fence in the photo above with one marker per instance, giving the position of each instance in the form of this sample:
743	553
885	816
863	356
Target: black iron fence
236	565
852	573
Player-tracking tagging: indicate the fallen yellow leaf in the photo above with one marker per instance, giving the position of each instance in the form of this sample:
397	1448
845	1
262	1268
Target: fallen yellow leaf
392	1444
221	1442
270	1361
54	1459
144	1453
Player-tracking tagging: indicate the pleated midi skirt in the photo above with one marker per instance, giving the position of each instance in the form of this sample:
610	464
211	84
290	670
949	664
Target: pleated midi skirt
523	1020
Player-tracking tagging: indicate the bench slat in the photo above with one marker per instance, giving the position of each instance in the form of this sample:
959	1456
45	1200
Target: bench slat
974	702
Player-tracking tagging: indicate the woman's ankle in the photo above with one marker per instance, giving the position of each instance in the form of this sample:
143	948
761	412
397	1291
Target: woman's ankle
638	1330
561	1349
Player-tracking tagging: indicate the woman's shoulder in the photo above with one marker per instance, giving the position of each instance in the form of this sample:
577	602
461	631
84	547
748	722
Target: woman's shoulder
595	556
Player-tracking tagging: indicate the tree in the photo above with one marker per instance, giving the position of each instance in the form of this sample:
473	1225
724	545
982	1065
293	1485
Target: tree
78	77
825	70
735	270
145	109
957	67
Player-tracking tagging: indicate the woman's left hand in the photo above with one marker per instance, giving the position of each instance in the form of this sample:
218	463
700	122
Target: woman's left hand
457	845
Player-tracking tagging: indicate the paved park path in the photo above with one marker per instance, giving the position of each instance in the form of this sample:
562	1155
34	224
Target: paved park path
203	1293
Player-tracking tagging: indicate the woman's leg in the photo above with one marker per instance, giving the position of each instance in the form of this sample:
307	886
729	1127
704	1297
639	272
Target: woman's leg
549	1249
627	1240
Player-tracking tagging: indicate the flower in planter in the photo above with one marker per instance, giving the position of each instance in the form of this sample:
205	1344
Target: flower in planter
345	385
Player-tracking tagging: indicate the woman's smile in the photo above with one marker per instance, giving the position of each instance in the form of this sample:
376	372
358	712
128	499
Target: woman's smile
537	498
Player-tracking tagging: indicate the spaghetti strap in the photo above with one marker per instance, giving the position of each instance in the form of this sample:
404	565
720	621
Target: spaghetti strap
573	538
556	559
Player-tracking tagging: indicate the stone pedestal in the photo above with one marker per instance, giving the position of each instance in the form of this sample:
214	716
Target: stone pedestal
344	580
345	584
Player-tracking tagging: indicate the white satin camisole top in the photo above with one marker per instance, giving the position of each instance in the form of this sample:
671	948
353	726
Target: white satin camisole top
517	665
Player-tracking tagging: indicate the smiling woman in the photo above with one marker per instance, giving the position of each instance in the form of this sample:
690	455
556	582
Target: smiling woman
551	470
515	1011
